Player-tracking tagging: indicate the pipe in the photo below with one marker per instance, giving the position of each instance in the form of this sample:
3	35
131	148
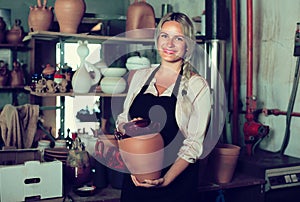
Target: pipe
277	112
249	111
253	130
235	76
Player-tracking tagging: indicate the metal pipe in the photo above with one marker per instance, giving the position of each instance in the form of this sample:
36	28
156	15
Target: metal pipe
235	76
249	96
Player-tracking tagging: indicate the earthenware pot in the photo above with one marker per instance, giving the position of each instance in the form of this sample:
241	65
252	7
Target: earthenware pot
69	14
142	150
223	161
16	34
140	21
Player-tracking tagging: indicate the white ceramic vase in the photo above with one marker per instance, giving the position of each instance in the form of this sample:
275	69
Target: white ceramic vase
83	80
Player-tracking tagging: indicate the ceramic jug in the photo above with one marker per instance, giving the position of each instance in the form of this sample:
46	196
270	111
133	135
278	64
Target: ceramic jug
16	34
83	80
40	17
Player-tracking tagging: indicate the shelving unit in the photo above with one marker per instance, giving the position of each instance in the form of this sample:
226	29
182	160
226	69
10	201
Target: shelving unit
15	49
62	38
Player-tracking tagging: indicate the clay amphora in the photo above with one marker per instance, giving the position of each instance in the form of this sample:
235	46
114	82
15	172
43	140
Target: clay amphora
82	80
143	155
69	14
40	17
140	21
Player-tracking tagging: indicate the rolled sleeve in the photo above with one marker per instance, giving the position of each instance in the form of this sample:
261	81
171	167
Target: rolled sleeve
196	121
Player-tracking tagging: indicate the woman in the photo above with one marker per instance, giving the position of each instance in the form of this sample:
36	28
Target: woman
183	99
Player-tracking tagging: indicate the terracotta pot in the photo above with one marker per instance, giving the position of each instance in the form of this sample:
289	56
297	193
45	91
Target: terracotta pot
16	34
223	161
69	14
140	21
40	18
143	155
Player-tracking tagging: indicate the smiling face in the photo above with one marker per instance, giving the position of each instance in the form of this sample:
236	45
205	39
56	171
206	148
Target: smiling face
171	42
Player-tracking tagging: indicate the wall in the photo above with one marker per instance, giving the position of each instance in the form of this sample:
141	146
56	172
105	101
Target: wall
274	66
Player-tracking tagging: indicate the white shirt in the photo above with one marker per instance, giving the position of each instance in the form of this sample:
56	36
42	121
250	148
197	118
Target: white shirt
192	110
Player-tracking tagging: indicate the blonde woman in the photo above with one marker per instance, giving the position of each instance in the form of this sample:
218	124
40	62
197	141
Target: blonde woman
177	97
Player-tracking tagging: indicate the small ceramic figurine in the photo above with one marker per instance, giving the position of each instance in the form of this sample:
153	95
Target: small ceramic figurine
62	86
51	86
40	86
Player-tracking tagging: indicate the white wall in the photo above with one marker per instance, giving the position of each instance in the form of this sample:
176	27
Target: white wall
274	66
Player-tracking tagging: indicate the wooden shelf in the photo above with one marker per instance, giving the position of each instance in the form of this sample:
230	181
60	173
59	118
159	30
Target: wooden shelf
11	87
72	94
48	35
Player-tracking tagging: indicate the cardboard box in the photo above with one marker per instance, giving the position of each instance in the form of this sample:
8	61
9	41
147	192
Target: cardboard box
27	177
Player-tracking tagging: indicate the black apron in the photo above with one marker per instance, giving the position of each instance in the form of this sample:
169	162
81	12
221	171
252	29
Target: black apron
162	109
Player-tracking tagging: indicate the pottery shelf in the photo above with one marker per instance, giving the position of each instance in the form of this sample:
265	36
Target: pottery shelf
48	35
11	87
72	94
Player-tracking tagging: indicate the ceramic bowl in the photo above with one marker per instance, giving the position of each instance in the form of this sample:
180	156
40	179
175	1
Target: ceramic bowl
136	62
113	85
113	71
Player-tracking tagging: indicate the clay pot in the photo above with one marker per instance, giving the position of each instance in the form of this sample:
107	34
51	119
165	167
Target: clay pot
143	155
17	75
140	21
223	162
69	14
16	34
40	17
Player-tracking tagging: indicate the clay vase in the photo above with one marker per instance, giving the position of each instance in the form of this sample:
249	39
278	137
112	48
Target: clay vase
83	80
69	14
16	34
140	21
143	155
40	17
223	162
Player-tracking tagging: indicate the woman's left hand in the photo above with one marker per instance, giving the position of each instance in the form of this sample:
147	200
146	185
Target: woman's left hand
148	183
